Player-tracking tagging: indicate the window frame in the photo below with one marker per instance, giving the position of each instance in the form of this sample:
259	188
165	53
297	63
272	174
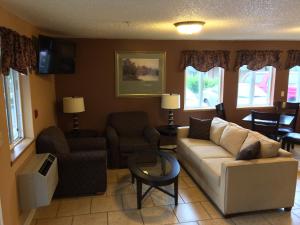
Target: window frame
298	87
19	109
221	94
252	91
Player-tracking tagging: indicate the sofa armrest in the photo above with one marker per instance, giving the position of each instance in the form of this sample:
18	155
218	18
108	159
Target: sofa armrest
284	153
112	137
271	182
82	173
152	135
183	132
87	143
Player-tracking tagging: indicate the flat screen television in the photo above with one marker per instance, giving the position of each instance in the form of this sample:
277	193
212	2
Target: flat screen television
55	56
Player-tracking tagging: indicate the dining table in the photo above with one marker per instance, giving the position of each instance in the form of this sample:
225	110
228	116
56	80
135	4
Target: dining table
285	120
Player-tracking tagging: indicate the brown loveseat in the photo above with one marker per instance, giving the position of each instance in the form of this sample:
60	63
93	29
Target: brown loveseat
128	132
81	162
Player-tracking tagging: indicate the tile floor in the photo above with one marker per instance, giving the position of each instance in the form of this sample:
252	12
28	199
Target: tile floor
118	206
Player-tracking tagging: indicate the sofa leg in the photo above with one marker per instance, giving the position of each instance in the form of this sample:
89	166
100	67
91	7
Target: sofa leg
288	209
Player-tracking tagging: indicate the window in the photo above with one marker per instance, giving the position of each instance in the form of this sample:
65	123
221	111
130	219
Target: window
293	94
203	89
256	88
13	107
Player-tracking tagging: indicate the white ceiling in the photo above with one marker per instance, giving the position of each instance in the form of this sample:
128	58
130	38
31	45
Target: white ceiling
153	19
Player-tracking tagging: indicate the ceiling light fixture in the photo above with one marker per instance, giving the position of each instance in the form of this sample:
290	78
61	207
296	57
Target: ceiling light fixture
189	27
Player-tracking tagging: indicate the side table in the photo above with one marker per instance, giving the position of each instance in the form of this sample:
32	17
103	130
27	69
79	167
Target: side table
169	133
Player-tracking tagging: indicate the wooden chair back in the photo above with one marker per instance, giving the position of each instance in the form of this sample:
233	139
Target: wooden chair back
220	110
266	123
289	108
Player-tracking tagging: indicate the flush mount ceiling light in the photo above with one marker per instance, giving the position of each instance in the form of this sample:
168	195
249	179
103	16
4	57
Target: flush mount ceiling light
189	27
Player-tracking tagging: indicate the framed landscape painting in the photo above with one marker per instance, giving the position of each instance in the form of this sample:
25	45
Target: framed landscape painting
140	73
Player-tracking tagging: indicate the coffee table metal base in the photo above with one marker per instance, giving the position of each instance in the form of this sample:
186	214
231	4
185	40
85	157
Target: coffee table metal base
140	195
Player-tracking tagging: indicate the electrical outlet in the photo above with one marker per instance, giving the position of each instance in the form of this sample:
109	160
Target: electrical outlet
282	94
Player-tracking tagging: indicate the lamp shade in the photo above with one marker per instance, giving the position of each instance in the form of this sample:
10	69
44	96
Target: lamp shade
73	104
170	101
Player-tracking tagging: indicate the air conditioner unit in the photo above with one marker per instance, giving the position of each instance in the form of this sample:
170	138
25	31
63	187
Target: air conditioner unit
37	181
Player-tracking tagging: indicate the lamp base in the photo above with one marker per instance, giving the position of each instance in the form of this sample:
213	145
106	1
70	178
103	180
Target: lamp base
75	122
171	119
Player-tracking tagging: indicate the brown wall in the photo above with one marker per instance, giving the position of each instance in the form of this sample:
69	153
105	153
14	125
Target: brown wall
95	79
42	99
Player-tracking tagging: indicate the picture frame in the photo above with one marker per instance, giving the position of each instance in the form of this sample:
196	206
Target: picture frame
140	73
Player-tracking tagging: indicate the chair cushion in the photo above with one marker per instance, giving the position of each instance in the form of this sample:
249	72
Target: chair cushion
250	152
233	137
217	127
131	144
129	124
268	147
199	128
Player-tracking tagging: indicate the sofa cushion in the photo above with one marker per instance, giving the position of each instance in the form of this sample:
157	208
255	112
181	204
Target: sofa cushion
268	147
189	142
217	127
199	128
250	152
210	151
212	170
233	137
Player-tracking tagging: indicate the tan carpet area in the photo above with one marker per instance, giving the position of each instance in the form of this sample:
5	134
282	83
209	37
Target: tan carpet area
118	207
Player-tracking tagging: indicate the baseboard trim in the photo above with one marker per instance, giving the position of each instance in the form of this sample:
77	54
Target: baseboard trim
29	217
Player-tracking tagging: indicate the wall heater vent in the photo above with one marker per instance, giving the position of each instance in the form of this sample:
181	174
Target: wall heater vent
37	181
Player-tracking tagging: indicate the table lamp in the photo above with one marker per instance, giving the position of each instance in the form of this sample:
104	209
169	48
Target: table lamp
170	102
74	105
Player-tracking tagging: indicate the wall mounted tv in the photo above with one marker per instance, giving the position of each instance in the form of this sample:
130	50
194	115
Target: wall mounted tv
55	56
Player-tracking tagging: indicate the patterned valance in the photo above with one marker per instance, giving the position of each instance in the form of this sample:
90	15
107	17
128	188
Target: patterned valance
204	60
17	52
293	59
257	59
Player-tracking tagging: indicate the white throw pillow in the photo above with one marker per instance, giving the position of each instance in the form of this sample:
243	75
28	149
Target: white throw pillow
268	147
233	138
216	129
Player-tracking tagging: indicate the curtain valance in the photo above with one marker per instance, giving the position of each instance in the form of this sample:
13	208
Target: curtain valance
257	59
17	52
293	59
204	60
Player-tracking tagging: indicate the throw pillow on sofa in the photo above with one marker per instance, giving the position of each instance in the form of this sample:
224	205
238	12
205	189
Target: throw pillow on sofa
199	128
217	127
268	147
250	152
233	137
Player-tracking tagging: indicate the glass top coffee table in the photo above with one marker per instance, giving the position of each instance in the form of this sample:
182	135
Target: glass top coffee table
155	169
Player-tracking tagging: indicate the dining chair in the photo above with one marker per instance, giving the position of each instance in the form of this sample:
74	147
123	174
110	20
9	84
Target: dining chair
220	110
288	108
266	123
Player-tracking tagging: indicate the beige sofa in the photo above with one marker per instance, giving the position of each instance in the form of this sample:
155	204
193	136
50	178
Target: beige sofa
237	186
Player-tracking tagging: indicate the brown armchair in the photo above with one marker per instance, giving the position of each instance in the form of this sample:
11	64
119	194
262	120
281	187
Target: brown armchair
128	132
81	162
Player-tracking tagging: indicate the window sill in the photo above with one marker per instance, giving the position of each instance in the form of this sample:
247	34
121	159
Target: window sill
200	109
256	107
18	150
